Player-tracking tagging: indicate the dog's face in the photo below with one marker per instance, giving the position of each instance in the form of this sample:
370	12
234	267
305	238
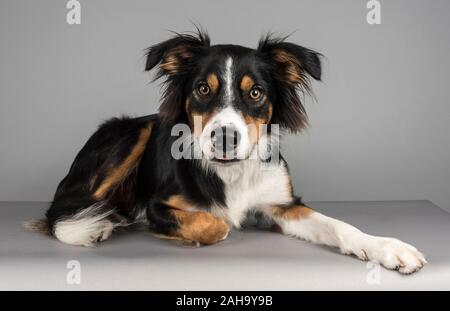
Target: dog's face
230	95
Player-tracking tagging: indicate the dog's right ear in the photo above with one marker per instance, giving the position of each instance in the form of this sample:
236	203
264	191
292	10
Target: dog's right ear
175	55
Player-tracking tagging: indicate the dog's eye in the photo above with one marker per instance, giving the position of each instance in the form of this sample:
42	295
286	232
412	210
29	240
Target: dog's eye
256	93
203	89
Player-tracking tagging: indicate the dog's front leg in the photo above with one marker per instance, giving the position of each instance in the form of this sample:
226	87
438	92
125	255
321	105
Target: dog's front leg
177	218
302	222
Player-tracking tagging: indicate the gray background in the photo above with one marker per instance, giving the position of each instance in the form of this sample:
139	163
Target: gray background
380	126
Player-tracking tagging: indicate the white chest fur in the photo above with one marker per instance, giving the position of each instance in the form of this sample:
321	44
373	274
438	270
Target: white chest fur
252	184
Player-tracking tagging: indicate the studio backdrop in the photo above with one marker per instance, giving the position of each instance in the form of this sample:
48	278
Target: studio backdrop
380	121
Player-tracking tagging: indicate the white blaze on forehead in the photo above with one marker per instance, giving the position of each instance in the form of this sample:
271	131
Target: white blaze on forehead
228	79
226	116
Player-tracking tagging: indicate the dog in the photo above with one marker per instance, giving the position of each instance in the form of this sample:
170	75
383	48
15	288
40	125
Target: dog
233	101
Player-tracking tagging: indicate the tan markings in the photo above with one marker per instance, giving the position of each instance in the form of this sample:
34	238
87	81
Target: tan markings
179	202
269	115
247	83
255	125
200	227
174	60
213	82
197	120
290	189
292	212
292	72
172	237
117	173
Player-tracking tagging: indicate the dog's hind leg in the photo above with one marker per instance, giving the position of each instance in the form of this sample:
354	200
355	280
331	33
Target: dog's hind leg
98	193
87	227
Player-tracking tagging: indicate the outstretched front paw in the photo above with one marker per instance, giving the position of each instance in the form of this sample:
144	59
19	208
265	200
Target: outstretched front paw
392	254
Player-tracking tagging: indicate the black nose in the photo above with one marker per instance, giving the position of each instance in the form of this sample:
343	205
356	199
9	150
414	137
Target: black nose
225	139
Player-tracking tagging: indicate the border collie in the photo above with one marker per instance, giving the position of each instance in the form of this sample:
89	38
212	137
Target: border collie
229	102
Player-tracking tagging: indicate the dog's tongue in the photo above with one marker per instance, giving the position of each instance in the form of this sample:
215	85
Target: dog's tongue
225	157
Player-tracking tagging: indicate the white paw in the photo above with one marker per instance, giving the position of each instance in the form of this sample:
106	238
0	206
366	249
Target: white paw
83	233
391	253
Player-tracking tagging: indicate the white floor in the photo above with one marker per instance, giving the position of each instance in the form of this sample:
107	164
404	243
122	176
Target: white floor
247	260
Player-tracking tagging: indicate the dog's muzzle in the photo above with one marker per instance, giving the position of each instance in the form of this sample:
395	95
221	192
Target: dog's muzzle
225	141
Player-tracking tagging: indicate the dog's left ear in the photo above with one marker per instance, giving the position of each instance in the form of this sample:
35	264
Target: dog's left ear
175	57
292	67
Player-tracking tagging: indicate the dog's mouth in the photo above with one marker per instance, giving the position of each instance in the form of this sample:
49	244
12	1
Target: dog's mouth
229	158
225	160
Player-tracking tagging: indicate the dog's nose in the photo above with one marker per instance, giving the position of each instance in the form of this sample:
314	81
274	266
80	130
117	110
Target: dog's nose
225	139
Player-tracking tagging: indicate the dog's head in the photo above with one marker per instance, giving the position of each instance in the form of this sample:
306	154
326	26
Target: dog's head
229	93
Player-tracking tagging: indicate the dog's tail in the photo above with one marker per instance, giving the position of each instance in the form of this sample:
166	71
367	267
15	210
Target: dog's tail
37	225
